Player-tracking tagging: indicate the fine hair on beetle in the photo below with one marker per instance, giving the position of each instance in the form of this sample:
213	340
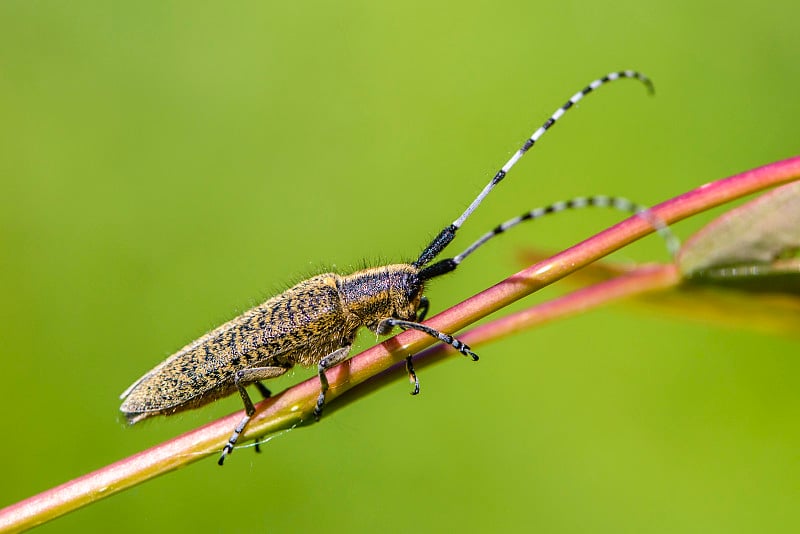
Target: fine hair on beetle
315	322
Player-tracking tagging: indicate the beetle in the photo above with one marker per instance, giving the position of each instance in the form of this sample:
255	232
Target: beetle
316	321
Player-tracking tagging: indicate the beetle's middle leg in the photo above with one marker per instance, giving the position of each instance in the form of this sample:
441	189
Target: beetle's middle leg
242	378
337	356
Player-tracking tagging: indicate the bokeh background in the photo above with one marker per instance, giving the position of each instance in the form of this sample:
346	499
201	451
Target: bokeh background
166	165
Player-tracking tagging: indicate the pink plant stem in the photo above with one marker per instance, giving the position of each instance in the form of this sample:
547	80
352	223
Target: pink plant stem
294	405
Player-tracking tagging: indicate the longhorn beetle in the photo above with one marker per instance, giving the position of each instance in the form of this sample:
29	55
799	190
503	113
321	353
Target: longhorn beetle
316	321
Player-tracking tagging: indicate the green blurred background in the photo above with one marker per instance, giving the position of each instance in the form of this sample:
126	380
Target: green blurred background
166	165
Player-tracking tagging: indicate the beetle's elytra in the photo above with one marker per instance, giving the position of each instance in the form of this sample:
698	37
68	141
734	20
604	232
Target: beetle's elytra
316	321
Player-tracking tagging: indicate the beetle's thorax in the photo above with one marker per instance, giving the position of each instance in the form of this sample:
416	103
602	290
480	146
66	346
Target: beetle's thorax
378	293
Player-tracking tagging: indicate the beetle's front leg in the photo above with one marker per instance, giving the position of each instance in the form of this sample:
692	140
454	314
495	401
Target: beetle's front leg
386	326
460	346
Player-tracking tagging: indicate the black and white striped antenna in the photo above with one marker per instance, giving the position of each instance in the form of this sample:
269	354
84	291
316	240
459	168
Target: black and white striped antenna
599	201
448	233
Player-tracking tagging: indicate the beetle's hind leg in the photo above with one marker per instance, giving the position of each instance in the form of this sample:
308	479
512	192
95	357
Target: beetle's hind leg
266	393
243	378
264	390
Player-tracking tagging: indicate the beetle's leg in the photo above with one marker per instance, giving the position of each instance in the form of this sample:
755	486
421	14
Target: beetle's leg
412	374
339	355
264	390
463	348
242	378
422	312
389	323
422	309
266	393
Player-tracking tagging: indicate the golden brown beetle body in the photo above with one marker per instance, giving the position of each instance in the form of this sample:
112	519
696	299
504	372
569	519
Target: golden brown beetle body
302	325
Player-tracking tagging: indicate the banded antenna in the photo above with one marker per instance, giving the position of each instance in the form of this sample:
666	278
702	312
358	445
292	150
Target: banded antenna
599	201
448	233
